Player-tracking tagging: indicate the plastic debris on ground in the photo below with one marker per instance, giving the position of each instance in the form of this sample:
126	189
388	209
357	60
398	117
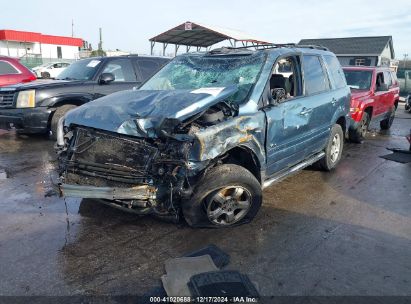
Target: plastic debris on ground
180	270
222	283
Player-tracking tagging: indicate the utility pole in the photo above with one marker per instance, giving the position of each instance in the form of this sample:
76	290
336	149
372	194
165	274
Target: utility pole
405	59
100	44
72	27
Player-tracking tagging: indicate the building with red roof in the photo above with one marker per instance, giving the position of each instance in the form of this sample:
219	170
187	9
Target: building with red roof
23	44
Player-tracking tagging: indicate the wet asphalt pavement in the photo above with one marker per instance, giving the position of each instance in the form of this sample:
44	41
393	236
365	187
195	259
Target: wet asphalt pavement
342	233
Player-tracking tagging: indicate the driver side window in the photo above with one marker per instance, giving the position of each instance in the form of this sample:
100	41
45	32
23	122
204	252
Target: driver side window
379	80
285	80
121	69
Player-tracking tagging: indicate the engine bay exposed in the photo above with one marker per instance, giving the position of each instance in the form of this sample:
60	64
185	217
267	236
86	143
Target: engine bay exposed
98	158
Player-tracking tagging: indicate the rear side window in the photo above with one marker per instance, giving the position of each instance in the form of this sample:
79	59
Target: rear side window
387	78
121	69
336	73
147	68
7	68
394	77
315	79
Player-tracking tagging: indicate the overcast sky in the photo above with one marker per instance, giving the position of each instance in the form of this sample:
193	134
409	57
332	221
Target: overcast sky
128	24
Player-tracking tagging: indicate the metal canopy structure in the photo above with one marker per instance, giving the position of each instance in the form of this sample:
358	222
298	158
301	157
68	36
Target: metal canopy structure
198	35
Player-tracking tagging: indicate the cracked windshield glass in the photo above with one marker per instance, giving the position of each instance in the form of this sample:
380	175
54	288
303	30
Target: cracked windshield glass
190	73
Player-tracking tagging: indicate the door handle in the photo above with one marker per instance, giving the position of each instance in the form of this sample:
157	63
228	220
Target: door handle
333	101
305	111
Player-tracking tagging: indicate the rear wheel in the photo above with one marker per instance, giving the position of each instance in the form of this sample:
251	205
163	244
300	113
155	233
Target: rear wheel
387	123
357	135
333	150
45	75
227	195
60	111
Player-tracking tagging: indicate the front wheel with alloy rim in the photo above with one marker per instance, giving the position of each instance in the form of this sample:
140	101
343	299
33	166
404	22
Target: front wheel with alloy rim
227	195
333	150
357	134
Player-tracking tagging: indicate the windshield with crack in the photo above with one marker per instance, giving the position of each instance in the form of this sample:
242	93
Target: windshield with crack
196	72
80	70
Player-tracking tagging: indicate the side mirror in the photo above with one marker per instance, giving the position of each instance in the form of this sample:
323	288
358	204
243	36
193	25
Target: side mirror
106	78
382	87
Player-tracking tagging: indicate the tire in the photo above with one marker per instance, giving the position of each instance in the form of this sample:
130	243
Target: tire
387	123
45	75
216	197
357	135
58	113
333	150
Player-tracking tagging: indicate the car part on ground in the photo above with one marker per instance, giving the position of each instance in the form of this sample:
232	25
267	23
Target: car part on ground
227	284
180	270
205	146
220	258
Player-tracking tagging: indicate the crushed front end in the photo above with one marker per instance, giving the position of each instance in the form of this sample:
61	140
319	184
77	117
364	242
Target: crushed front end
142	175
146	150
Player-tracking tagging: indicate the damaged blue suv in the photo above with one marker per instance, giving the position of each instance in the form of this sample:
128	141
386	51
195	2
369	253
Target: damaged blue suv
207	133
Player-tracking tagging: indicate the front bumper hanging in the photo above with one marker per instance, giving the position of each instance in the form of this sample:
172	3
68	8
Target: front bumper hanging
139	193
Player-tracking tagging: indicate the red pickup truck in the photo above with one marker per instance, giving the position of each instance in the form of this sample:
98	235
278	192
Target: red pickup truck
375	93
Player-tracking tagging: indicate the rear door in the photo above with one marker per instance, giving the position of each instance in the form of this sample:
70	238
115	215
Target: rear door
320	102
390	96
379	96
124	77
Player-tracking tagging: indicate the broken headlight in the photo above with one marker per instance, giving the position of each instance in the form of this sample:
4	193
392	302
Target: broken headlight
143	125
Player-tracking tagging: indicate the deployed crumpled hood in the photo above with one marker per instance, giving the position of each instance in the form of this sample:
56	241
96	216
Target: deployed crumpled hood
117	112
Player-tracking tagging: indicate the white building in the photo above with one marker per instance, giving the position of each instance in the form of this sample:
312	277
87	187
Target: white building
45	48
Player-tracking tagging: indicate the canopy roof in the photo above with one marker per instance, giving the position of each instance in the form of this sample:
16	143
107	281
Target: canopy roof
200	35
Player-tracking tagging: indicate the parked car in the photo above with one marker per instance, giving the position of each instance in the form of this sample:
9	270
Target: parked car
12	72
50	70
404	79
375	96
207	133
37	107
408	104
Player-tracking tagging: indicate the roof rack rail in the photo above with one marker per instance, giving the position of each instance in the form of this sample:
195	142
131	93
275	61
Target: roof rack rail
278	45
312	46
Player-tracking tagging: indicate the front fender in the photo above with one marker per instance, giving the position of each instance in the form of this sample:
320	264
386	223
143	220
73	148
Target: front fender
243	131
79	98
